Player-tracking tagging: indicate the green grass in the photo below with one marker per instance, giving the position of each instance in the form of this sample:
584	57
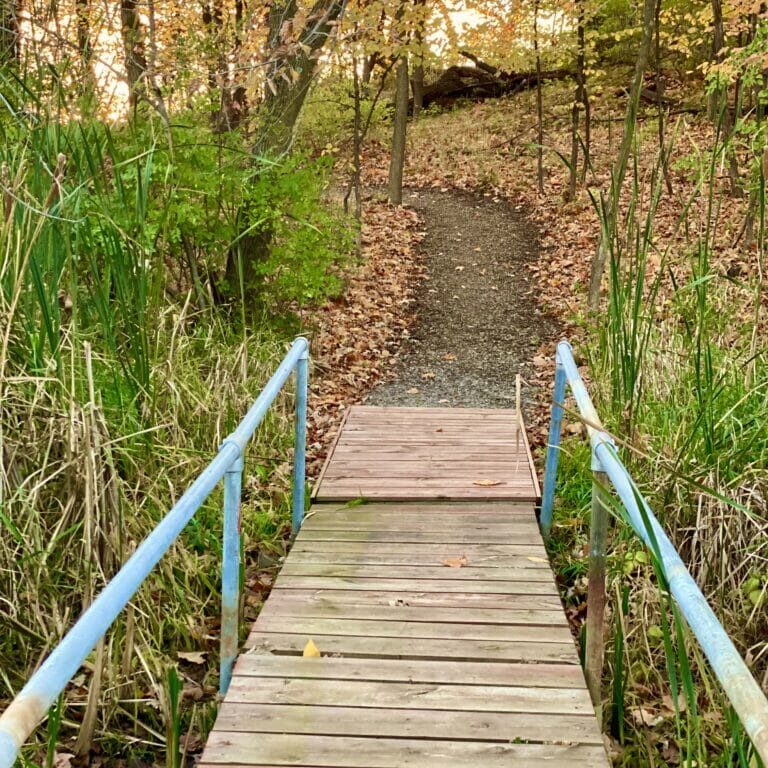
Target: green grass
120	374
678	375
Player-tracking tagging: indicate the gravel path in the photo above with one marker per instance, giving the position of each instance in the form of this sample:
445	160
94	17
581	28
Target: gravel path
478	324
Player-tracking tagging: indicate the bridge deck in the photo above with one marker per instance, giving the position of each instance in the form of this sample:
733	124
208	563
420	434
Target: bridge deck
442	635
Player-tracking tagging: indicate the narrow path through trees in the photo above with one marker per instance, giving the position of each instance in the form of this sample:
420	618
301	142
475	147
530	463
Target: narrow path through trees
478	321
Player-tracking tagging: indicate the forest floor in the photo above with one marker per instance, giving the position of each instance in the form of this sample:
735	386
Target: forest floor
477	321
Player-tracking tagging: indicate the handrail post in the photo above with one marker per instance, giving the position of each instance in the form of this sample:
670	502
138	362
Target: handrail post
300	442
553	448
596	598
230	574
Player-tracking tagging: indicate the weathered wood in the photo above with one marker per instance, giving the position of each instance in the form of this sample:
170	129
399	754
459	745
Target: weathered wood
455	539
414	597
396	695
480	560
409	454
409	585
266	750
419	672
468	573
317	627
439	624
413	648
399	723
430	550
299	608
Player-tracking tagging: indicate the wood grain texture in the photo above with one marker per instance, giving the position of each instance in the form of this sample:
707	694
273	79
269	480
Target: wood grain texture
441	632
403	454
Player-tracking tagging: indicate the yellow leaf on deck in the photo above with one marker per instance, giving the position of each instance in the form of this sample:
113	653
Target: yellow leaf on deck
310	650
487	483
538	559
456	562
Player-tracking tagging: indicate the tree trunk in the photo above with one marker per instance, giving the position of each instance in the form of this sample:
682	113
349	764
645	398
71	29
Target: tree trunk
399	124
620	167
579	105
417	81
84	46
539	102
133	47
291	63
660	98
290	69
720	110
9	33
417	86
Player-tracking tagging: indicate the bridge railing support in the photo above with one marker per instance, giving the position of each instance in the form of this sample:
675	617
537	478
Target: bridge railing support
745	695
41	691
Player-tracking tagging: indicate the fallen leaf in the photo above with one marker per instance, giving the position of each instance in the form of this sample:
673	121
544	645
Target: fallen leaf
428	375
412	391
456	562
192	691
193	657
486	483
646	717
310	650
62	760
534	559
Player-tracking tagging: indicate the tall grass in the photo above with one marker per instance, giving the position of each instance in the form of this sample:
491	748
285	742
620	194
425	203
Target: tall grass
113	394
680	373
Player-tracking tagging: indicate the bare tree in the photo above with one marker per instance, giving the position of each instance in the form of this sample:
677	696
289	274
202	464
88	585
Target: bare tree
399	124
539	101
580	105
9	33
417	79
620	167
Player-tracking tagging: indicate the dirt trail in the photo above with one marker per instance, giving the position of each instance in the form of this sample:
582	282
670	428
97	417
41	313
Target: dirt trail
478	323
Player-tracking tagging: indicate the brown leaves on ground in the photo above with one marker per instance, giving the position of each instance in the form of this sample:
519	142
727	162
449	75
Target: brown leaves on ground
355	337
462	561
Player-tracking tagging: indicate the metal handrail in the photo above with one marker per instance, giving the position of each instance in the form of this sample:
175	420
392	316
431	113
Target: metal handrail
41	691
737	681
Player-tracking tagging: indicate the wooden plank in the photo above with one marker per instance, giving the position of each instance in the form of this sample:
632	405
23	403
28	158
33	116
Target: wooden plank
462	509
469	573
414	723
505	528
392	584
424	472
419	598
241	749
299	608
413	648
492	561
319	627
529	455
456	539
331	451
430	550
480	483
419	672
397	695
434	518
344	493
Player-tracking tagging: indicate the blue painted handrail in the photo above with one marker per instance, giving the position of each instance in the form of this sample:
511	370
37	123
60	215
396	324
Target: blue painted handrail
737	681
34	700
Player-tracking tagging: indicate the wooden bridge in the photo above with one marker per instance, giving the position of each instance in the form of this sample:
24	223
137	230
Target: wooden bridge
420	577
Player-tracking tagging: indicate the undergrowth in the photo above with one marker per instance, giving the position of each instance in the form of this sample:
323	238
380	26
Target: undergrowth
676	363
125	359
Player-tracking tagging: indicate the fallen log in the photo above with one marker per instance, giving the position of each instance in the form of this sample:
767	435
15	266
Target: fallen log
482	81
